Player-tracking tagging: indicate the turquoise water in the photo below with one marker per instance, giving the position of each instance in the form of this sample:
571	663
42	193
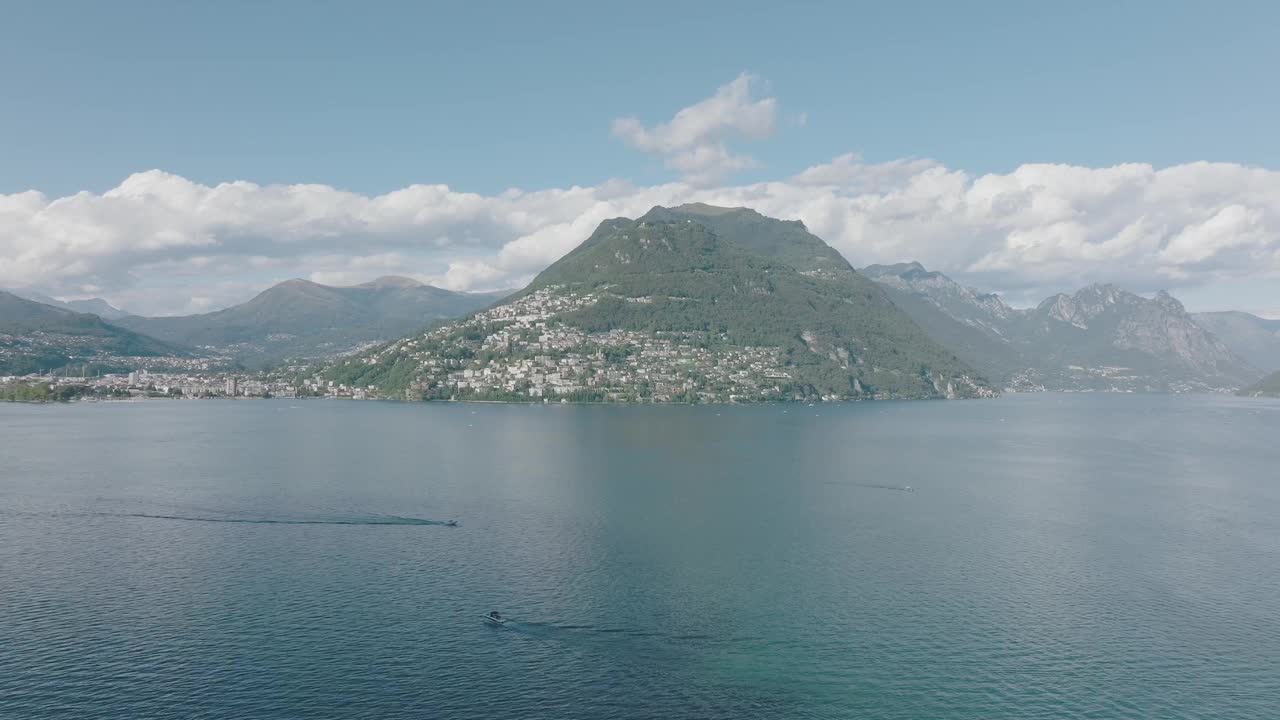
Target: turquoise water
1055	557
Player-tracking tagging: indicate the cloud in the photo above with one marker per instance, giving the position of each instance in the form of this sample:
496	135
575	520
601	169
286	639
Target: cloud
161	243
695	141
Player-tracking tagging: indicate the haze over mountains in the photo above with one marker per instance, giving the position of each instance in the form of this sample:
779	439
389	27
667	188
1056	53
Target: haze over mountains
1255	339
35	338
300	318
94	306
1268	386
1099	338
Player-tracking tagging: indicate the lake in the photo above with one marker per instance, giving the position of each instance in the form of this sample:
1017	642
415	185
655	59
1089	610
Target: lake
1055	556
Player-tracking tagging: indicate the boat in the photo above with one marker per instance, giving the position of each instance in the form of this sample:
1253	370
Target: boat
452	523
495	618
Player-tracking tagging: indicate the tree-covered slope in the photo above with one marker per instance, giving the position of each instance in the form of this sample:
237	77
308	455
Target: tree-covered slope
667	285
35	337
787	241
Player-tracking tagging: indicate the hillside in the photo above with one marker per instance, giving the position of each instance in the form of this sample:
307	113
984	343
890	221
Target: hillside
665	308
1255	339
299	318
1267	387
787	241
93	306
1100	338
976	326
35	337
1125	341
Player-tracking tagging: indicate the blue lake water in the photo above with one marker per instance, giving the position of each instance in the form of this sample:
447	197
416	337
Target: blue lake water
1085	556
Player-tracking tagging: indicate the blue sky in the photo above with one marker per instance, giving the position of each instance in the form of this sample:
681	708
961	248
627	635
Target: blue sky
485	96
177	157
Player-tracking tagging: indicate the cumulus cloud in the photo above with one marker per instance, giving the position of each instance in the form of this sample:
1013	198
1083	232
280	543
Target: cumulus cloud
695	141
162	243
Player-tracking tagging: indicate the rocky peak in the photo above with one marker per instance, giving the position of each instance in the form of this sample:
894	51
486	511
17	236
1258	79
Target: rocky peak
1169	303
963	303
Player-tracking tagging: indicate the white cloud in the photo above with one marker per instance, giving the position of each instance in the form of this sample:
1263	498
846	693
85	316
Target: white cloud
161	243
695	141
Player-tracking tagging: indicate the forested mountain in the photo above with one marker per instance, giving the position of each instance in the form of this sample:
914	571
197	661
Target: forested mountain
1100	338
35	337
666	308
299	318
1255	339
787	241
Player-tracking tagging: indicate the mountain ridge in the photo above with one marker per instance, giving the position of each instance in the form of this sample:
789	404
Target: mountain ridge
762	296
1253	338
92	306
301	318
1097	338
35	337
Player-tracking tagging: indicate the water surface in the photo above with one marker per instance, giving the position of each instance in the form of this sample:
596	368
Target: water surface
1055	557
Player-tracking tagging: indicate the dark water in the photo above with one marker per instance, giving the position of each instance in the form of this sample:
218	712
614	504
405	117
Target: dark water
1055	557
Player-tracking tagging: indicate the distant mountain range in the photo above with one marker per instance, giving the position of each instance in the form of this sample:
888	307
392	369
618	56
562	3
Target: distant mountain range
303	319
1255	339
694	284
682	304
93	306
1100	338
35	338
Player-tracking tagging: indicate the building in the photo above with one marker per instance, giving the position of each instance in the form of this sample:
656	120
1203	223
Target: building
232	387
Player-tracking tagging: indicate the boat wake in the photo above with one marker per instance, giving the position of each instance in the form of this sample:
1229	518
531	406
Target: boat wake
183	517
379	520
899	488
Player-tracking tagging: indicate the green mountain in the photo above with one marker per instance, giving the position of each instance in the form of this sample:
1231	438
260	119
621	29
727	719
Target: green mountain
668	308
1099	338
787	241
35	337
1267	387
1255	339
303	319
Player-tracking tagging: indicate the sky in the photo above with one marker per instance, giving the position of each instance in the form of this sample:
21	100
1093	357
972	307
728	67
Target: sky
180	157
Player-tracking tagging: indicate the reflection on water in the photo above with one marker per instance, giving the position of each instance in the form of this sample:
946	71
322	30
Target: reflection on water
1035	556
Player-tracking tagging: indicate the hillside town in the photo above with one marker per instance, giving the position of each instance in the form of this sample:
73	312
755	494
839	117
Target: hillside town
188	385
524	351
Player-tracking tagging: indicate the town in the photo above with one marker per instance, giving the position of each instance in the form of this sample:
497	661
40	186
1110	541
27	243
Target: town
295	381
523	351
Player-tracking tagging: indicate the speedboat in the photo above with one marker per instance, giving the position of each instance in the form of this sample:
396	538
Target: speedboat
495	618
452	523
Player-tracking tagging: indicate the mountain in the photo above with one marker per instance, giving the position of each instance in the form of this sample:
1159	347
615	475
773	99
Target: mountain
1255	339
1125	341
1266	387
299	318
35	337
93	306
1100	338
690	303
977	326
787	241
